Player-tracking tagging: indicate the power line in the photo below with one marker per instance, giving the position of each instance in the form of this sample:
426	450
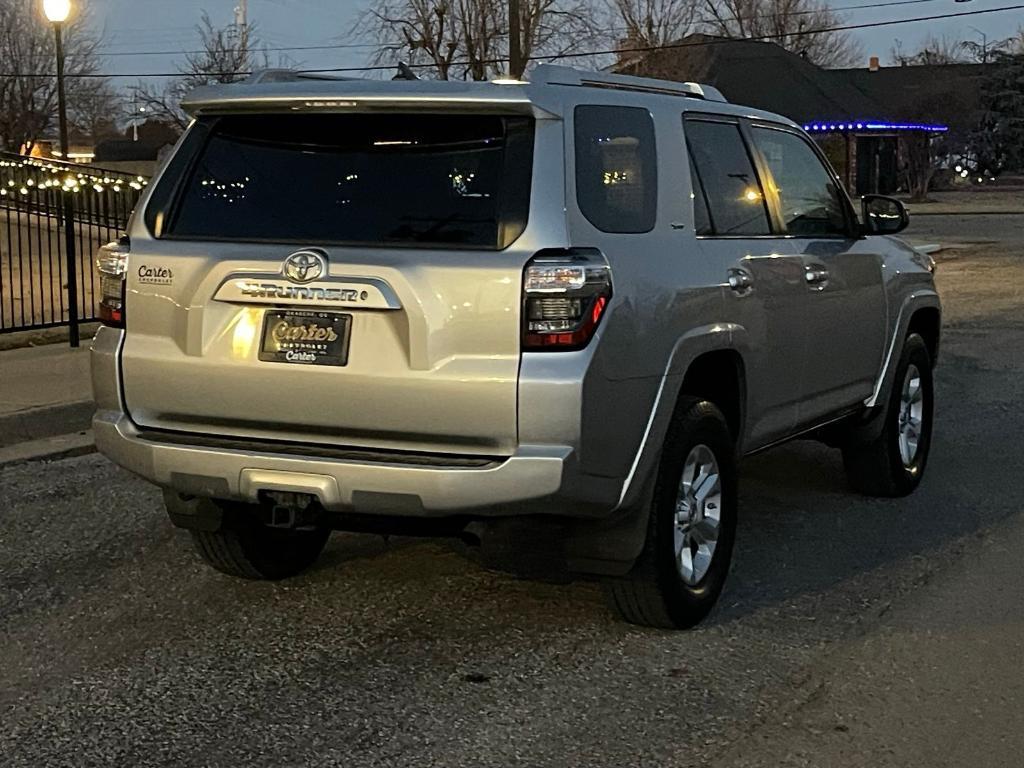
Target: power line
575	55
701	43
784	35
342	46
275	48
811	11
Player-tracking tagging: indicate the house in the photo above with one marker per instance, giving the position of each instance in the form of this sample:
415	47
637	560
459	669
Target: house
875	124
49	148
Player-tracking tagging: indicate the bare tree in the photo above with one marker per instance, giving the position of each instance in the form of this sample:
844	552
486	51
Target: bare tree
989	51
1016	44
933	50
650	23
791	24
226	56
468	39
28	83
95	110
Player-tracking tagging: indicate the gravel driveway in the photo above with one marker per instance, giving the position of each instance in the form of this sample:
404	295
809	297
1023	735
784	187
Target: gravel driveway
120	649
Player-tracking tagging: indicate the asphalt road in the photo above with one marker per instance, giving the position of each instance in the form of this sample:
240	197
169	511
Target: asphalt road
852	632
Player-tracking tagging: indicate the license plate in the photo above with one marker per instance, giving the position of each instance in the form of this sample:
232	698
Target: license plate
305	337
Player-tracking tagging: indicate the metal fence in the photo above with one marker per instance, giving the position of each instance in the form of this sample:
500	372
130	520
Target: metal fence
34	268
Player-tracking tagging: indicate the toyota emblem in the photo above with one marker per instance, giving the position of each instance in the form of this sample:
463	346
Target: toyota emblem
305	266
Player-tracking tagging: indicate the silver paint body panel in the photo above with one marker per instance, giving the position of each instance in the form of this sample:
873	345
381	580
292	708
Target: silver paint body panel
436	365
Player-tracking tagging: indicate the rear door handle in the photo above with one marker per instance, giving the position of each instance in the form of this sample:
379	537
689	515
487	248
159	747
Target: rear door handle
741	281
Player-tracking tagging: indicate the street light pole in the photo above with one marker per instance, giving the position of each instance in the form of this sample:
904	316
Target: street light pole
57	12
984	44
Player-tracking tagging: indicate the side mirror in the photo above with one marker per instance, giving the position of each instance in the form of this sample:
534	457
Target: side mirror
883	215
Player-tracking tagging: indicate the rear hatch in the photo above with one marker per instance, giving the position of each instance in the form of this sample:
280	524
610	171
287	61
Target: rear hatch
338	278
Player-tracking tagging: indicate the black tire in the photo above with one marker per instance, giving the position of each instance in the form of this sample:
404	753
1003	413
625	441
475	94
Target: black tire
654	593
246	548
877	468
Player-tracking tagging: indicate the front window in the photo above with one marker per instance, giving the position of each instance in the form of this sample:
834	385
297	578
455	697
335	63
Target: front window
809	196
387	179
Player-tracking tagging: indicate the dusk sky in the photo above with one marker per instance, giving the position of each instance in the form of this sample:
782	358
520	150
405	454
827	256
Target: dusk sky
169	25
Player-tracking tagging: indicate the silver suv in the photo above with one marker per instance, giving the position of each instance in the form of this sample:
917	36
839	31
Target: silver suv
549	315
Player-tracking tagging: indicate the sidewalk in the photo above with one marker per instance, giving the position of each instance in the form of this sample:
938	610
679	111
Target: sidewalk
45	402
970	202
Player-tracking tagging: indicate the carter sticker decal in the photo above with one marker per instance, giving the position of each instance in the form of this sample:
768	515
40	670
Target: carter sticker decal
155	275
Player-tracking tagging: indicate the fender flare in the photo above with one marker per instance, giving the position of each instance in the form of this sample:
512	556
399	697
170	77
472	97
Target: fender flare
713	337
870	427
920	299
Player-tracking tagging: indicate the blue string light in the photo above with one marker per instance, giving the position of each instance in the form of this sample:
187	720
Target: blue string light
873	126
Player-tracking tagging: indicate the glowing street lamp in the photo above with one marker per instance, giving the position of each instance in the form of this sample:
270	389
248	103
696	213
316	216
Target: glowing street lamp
57	12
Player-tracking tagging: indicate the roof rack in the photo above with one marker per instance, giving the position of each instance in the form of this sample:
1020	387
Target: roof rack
551	74
288	76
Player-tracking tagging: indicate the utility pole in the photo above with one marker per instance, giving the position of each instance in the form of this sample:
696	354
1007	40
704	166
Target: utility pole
242	25
516	66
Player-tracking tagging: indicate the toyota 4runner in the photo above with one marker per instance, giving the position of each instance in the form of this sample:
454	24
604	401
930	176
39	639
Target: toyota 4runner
551	315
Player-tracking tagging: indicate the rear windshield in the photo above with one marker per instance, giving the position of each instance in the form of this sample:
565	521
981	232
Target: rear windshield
395	179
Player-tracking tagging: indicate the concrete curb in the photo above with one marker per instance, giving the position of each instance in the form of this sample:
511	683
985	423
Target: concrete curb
34	424
913	212
45	336
48	449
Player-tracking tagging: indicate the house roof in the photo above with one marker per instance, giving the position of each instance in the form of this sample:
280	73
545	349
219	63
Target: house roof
758	74
767	76
945	93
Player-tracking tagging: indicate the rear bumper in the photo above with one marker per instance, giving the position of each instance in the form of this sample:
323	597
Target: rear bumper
537	479
533	481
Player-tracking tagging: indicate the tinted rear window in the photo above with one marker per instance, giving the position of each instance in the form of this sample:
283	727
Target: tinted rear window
733	191
616	168
399	179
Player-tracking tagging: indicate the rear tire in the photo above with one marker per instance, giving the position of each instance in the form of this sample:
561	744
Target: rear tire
246	548
668	587
893	463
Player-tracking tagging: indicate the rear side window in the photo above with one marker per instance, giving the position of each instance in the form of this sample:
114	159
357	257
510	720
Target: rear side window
735	200
616	168
386	179
701	217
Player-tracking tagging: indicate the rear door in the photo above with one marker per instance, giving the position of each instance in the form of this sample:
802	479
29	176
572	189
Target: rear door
341	278
846	313
765	292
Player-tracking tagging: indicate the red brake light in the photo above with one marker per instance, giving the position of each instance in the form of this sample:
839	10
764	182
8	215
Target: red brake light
112	263
565	294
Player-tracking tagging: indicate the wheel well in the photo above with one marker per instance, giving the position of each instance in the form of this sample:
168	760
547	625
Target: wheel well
719	378
926	322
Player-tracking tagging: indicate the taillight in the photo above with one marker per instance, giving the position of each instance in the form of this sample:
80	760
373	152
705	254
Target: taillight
565	294
112	263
